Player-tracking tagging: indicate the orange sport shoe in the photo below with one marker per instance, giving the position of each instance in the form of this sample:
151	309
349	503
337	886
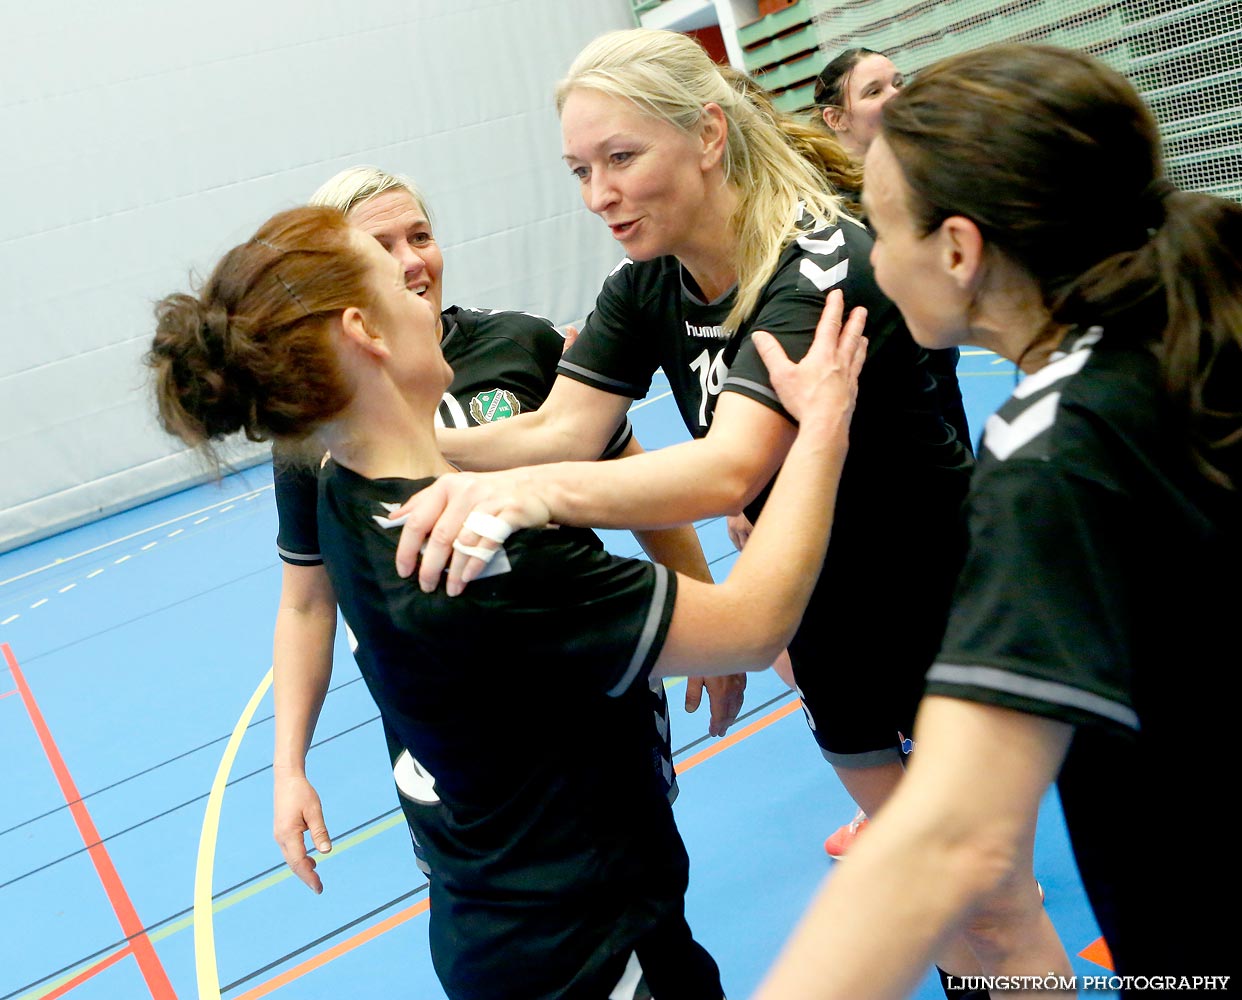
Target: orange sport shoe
840	842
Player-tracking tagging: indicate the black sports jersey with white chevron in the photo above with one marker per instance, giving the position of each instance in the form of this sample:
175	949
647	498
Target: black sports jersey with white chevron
888	573
1102	589
524	703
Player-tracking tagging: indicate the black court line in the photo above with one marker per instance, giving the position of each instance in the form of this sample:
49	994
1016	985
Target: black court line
155	767
167	812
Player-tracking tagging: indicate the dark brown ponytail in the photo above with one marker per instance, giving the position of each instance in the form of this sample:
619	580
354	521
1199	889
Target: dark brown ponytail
1065	179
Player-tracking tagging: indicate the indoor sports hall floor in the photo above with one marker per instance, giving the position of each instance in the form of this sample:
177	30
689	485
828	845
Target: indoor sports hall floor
136	856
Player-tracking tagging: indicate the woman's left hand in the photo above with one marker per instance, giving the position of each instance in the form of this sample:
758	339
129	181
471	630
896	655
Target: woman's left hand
443	522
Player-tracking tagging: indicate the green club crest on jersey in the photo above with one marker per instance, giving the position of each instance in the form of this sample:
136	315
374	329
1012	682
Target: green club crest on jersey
494	404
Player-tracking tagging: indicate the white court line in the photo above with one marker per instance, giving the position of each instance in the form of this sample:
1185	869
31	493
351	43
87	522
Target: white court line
174	534
653	399
149	545
11	618
38	604
117	541
225	510
64	589
121	560
202	519
94	573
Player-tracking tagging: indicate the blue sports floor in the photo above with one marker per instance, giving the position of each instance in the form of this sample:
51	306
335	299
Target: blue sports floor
136	855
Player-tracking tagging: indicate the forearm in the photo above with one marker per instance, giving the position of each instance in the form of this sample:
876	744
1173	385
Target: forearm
777	570
745	622
677	548
527	439
954	832
575	423
302	670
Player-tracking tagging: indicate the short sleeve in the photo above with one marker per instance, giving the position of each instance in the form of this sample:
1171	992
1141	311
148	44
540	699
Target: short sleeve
297	534
1040	621
791	303
615	350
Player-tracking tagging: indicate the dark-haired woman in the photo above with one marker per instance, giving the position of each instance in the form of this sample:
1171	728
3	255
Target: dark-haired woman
850	92
557	873
1095	620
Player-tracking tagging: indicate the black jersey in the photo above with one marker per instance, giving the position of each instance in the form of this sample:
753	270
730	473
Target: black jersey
888	572
650	315
552	844
504	363
1102	589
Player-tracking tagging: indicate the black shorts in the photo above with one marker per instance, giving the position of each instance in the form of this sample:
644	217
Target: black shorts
870	633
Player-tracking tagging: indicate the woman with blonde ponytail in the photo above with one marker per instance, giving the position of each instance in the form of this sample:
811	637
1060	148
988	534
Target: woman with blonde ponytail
730	227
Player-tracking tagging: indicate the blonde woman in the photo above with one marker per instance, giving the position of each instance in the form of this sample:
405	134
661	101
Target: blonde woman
728	228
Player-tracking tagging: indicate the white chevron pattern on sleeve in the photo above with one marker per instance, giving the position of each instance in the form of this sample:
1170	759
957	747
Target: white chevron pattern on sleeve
824	247
821	279
1003	438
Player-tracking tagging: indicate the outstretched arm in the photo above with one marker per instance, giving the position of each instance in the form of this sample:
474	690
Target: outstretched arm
680	550
302	668
747	620
714	475
575	423
953	832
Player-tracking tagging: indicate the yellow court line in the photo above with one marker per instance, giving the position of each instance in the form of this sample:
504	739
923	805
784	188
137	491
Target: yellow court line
204	930
339	847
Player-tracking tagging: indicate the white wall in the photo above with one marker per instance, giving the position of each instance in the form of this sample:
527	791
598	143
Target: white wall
141	139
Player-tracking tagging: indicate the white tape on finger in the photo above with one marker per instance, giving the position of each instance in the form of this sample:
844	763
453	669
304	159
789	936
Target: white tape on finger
488	526
476	551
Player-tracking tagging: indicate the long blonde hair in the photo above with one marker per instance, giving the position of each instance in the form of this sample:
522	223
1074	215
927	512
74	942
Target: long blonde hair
667	75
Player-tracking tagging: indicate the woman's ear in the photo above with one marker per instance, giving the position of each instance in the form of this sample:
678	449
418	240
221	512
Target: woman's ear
714	134
358	330
834	118
962	248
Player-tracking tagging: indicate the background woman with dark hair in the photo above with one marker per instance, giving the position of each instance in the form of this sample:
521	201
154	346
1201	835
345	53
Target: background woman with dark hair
1096	614
851	91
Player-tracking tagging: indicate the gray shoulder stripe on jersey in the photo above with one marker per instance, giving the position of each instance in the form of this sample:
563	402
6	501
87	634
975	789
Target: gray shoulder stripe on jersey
821	279
823	247
655	611
1052	692
594	377
744	383
1002	438
298	557
1052	372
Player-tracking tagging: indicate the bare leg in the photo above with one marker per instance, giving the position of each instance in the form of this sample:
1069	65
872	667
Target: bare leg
870	788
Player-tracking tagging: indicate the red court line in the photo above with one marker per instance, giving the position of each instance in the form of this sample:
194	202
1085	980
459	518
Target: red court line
348	945
82	977
148	961
7	693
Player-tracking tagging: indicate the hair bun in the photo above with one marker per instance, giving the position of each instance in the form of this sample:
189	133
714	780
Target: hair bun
199	398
